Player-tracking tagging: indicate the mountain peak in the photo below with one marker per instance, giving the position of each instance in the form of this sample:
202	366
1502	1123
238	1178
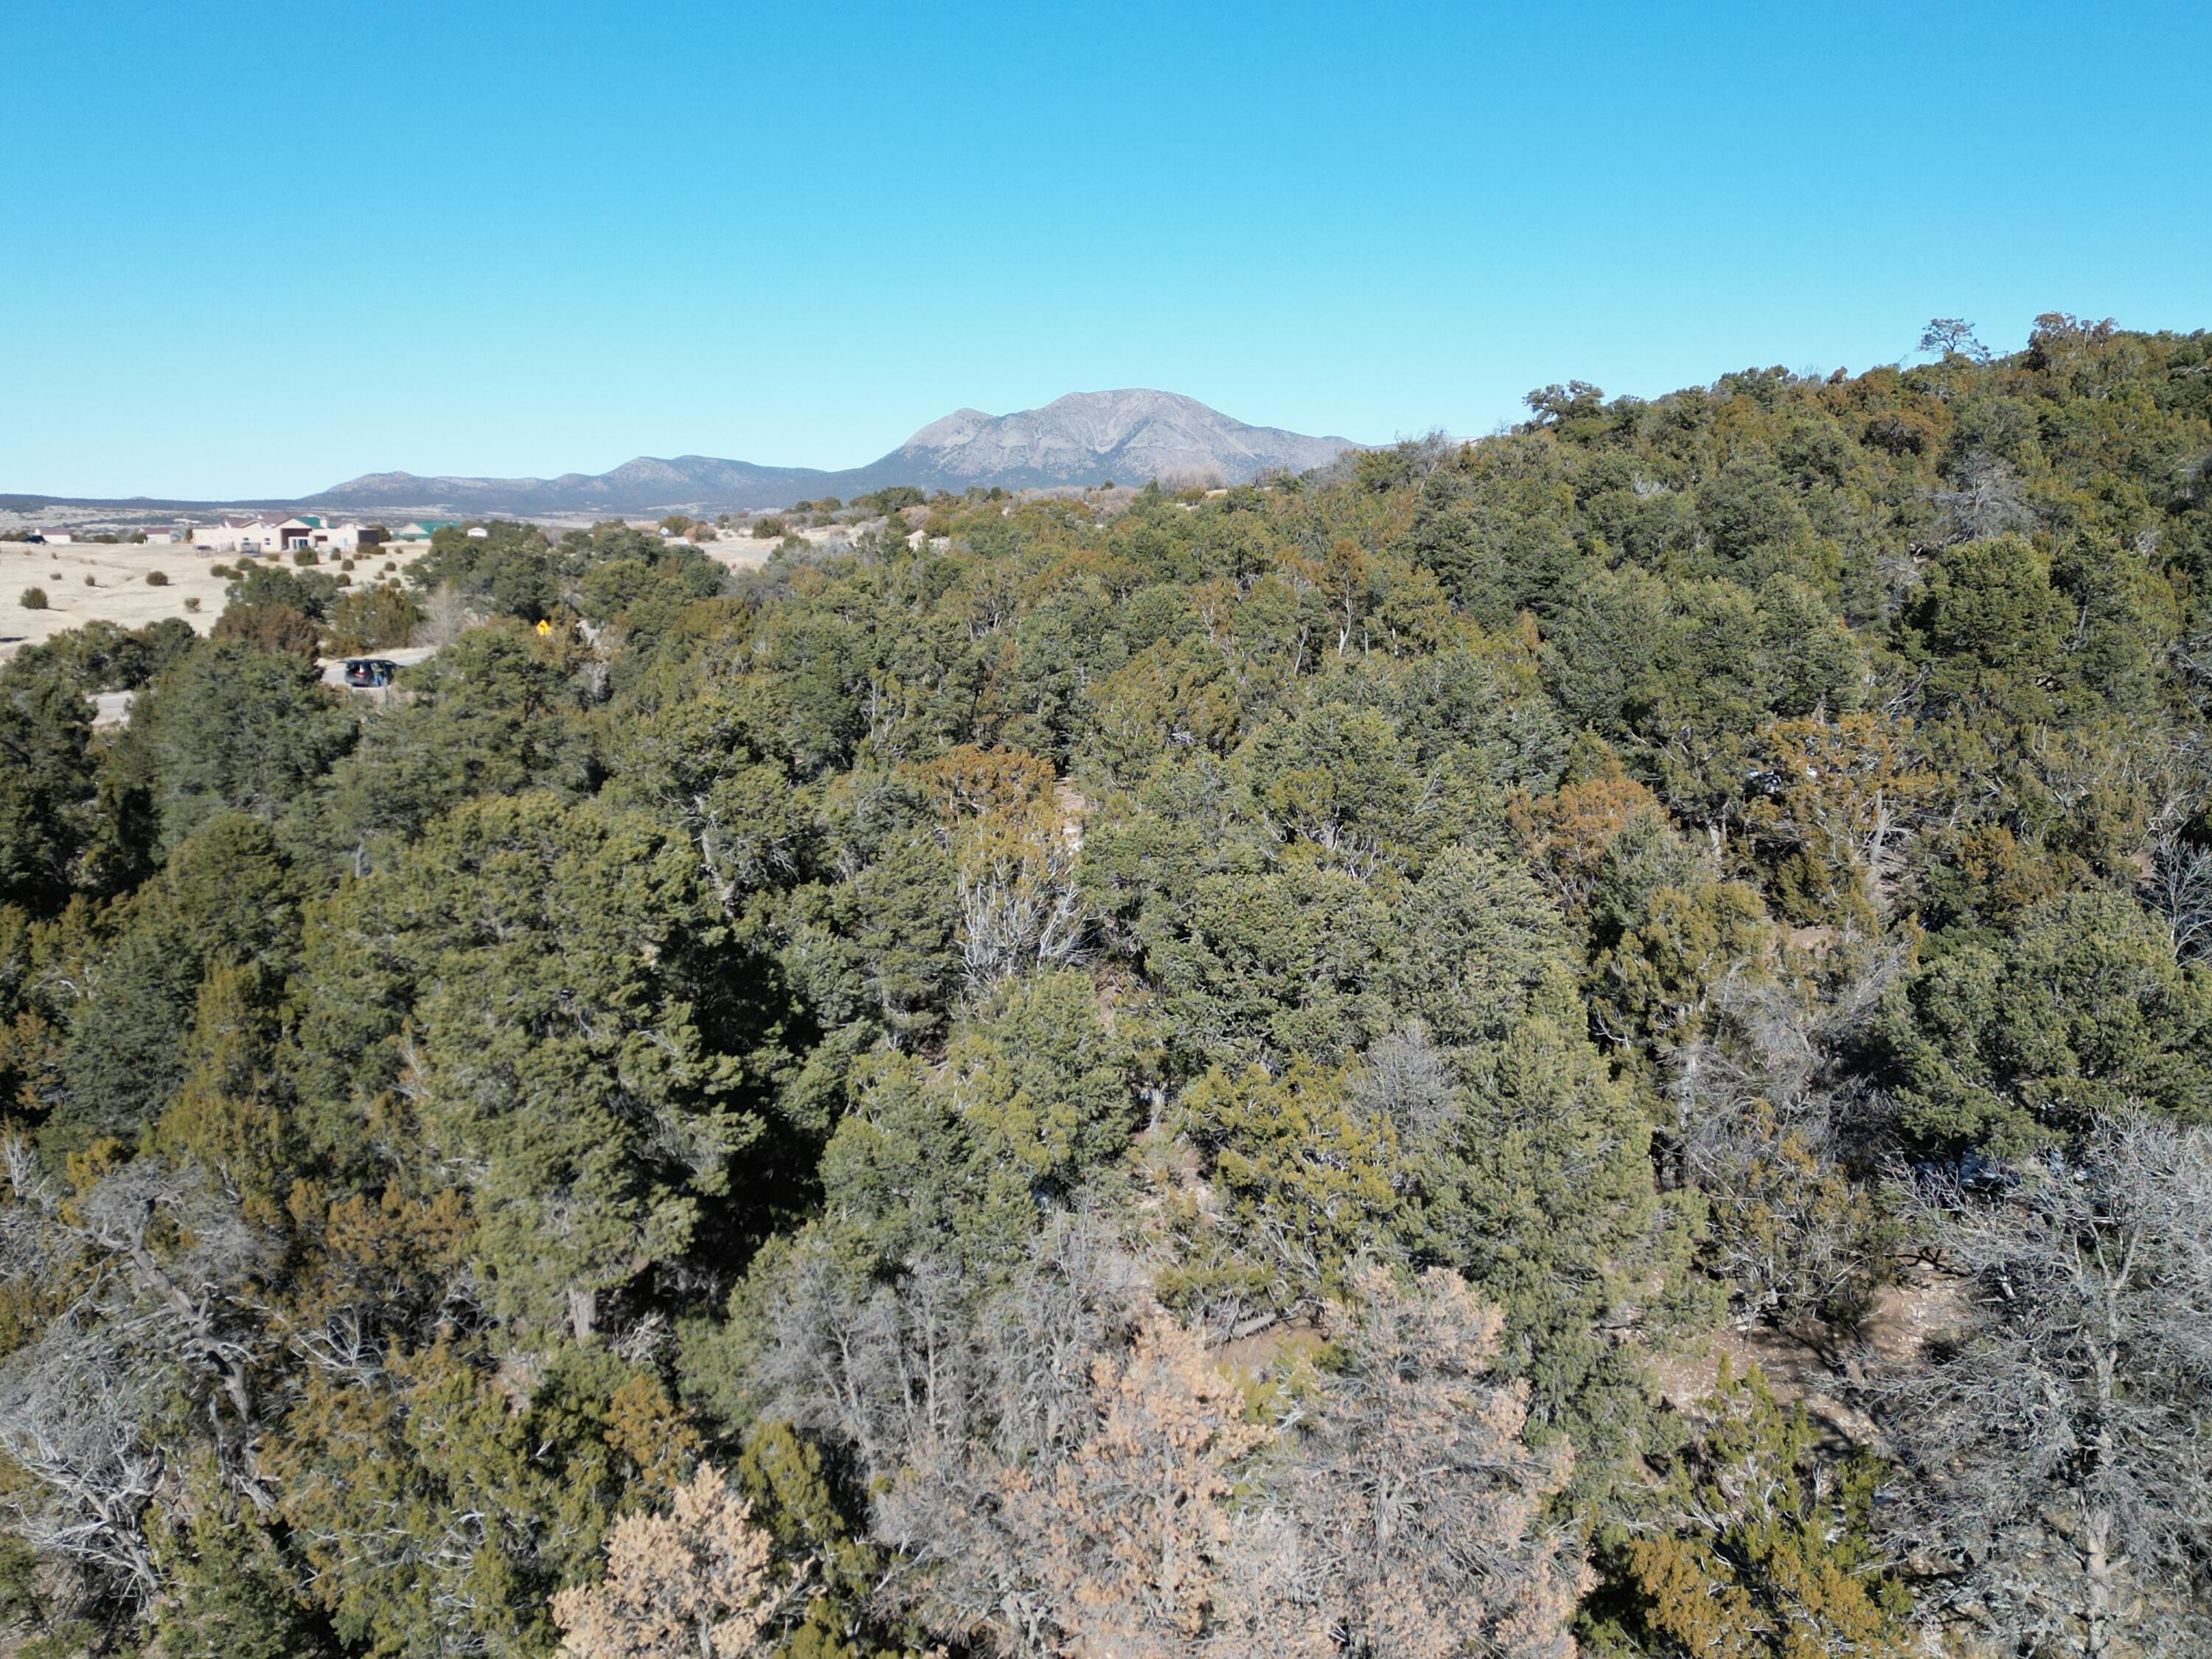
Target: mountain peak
1083	438
1086	437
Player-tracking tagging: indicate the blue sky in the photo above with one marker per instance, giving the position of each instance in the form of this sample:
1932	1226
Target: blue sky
254	249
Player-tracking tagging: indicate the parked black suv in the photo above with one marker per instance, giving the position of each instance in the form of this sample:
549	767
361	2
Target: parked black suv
370	670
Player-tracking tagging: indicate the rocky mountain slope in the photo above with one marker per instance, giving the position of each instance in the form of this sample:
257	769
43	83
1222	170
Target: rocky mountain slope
1090	436
1085	438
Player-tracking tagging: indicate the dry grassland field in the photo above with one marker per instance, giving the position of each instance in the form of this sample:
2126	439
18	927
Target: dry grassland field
119	592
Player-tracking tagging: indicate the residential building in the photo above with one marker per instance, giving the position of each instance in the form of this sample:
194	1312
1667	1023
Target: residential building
323	535
258	534
265	534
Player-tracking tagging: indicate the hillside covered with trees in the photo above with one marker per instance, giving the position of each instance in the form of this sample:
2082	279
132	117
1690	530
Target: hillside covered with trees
1237	1075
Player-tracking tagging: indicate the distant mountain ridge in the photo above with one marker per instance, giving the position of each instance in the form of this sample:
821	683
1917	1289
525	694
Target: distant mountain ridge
1083	438
1087	437
648	484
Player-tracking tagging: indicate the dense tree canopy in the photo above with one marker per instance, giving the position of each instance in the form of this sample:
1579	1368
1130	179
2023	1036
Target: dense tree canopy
1150	1073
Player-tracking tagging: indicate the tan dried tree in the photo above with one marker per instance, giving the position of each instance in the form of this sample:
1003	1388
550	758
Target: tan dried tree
699	1581
1073	1473
1110	1542
1407	1515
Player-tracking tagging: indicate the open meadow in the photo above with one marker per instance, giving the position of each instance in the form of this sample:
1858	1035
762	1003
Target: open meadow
131	584
99	581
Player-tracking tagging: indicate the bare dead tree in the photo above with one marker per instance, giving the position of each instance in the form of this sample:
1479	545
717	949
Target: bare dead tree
446	616
191	1293
2177	768
1987	499
161	1271
888	1373
2060	1490
1020	907
1402	1513
2179	888
1407	1081
72	1417
1768	1114
1058	1466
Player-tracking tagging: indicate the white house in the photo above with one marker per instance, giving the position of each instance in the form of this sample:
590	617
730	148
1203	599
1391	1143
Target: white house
264	534
323	535
259	534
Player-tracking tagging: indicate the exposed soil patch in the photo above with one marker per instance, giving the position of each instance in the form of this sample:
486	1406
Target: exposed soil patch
1824	1371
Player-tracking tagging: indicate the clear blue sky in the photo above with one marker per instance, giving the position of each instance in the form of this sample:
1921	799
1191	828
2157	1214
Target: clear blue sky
256	248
